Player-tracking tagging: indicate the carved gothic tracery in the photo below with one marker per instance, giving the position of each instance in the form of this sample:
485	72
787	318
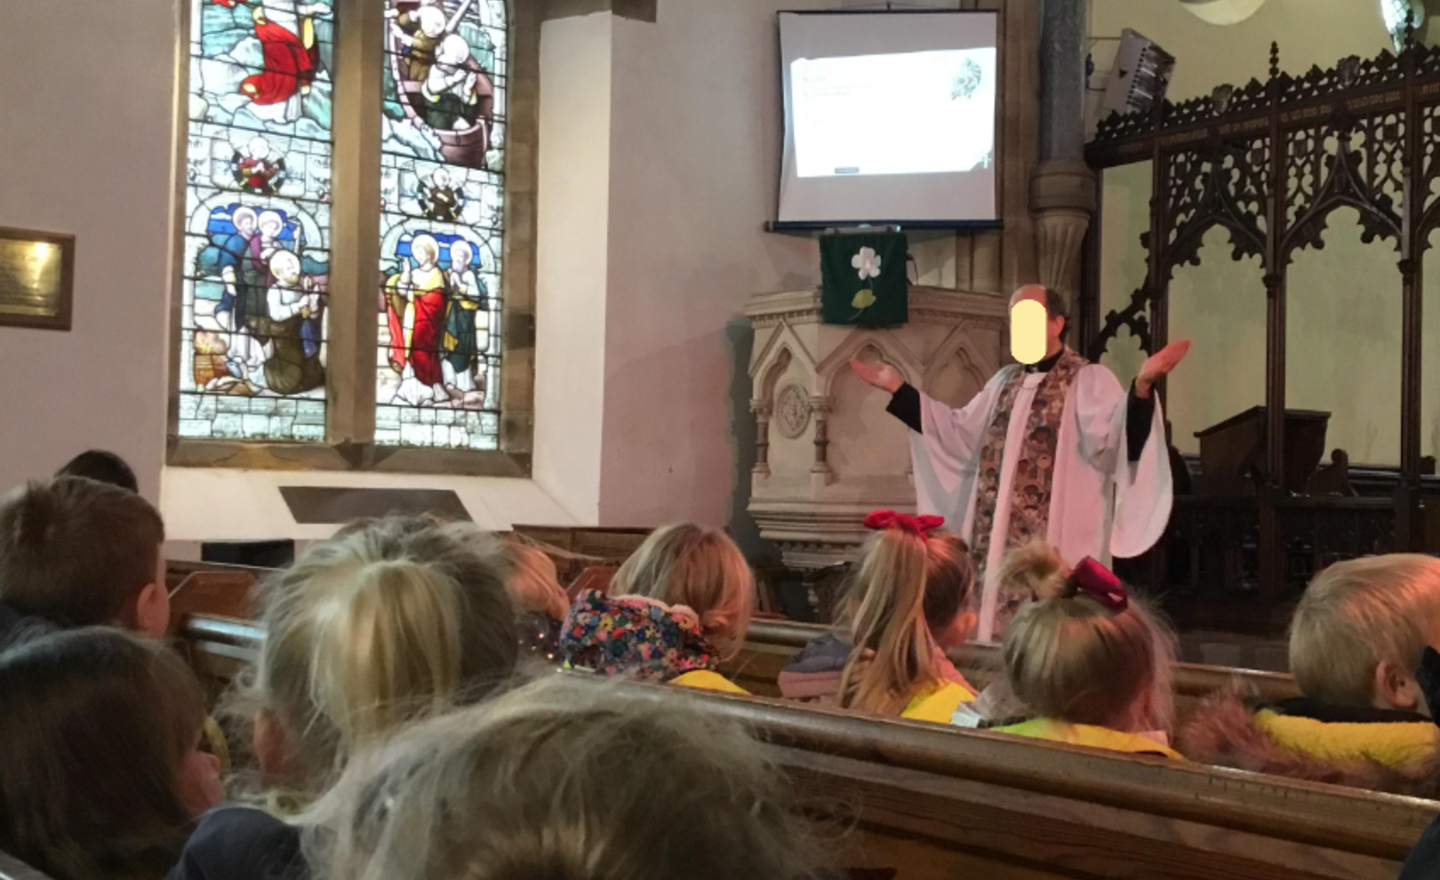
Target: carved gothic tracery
1344	142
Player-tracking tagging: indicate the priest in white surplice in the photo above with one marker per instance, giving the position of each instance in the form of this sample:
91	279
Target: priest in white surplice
1054	450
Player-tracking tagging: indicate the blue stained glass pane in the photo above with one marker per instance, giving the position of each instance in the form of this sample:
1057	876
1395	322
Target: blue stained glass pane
442	224
255	295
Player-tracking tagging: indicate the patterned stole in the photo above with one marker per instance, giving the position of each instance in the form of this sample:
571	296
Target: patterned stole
1034	472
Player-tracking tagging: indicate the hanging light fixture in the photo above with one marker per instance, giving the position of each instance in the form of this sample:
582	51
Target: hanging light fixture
1222	12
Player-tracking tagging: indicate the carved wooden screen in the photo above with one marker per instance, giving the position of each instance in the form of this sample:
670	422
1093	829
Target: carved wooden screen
1269	162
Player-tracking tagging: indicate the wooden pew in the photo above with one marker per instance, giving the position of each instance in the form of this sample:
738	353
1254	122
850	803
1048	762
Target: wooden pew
769	645
938	802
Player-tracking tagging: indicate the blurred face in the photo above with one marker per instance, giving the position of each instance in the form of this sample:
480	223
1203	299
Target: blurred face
1034	335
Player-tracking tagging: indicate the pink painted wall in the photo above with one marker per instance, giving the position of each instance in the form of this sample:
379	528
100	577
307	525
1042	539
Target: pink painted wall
86	91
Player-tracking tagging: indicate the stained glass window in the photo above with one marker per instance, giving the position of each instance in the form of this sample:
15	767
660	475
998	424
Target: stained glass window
442	188
257	237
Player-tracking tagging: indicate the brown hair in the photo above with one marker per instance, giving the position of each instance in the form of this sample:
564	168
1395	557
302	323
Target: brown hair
103	467
95	724
565	780
1358	614
394	620
1067	656
699	568
906	589
78	552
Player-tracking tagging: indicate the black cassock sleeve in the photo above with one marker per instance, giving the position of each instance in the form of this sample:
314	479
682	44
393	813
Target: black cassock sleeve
1139	416
905	406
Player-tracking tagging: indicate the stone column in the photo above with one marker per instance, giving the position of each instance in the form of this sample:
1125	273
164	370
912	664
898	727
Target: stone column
1062	187
1062	198
762	409
821	406
1020	113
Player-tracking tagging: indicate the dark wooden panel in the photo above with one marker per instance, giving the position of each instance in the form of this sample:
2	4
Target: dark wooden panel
326	505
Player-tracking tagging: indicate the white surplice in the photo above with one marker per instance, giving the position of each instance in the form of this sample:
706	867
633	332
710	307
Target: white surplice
1102	505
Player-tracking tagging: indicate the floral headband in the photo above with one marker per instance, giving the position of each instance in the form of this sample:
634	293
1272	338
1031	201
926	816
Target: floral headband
1100	584
922	526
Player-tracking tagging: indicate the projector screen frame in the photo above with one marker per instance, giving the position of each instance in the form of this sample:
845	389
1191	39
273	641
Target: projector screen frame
995	225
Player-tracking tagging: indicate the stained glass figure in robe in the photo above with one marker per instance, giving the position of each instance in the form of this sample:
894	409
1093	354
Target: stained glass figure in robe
442	198
255	290
439	79
289	55
434	299
256	170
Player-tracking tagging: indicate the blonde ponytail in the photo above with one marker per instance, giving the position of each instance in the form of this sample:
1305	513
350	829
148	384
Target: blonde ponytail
1072	657
385	647
393	620
893	650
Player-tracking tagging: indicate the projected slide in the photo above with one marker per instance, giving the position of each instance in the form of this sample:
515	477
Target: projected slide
904	113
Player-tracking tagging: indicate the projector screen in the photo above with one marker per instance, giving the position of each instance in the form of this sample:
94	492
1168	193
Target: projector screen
889	118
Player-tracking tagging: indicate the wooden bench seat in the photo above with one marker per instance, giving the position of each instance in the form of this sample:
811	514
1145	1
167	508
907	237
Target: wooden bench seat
939	802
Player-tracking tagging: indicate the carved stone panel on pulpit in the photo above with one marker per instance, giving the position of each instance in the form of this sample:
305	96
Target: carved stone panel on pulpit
827	453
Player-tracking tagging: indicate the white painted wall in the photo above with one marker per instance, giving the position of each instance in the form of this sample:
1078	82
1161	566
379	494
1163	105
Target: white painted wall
697	128
86	146
573	256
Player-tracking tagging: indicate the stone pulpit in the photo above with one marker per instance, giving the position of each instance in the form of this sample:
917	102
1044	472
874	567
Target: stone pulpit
826	451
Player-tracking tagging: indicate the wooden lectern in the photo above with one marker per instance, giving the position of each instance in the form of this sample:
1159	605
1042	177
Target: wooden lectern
1232	453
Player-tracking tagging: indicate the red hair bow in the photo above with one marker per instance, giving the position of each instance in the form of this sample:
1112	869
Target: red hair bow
1101	584
915	525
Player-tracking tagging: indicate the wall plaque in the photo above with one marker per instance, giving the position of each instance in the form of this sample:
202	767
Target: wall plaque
37	271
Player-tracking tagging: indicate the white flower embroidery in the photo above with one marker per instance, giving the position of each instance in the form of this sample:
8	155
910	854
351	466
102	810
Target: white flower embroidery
868	262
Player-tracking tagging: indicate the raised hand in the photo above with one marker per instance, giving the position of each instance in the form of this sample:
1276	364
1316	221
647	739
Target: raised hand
881	375
1158	365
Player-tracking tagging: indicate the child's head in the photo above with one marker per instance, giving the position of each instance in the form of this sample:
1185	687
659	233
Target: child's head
82	553
1361	628
564	779
699	568
1077	657
100	774
390	621
533	582
907	599
103	467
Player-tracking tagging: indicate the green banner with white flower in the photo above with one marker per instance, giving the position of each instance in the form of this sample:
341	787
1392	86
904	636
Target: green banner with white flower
864	278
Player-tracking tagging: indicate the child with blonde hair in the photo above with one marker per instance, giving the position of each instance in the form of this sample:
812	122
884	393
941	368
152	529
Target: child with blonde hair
565	780
101	777
1089	661
392	621
907	603
1356	644
678	607
534	585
